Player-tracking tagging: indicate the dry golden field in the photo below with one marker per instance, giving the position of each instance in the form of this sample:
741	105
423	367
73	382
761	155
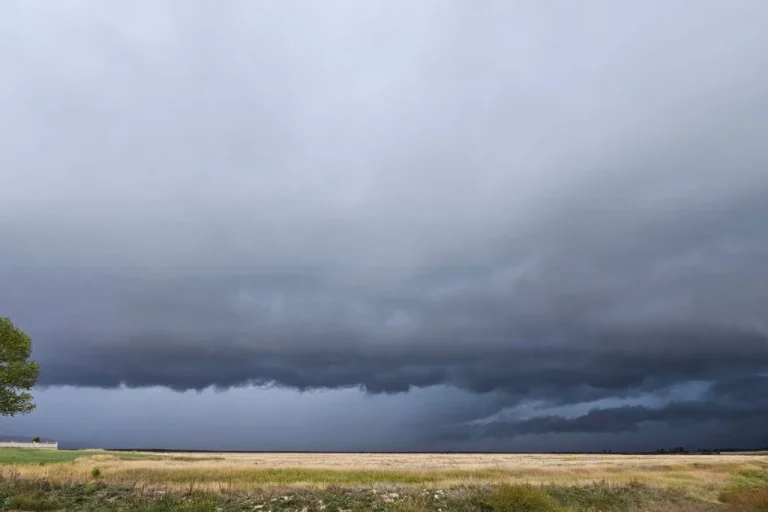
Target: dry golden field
703	474
701	478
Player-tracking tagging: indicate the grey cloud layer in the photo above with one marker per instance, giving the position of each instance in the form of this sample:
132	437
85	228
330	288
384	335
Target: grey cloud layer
731	400
549	205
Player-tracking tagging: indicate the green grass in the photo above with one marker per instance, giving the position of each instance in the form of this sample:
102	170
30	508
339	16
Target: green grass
284	476
752	477
35	456
17	456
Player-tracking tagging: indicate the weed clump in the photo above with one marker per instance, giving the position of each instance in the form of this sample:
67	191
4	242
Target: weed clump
32	502
522	498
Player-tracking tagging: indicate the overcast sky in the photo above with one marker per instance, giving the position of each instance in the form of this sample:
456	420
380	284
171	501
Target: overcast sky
388	225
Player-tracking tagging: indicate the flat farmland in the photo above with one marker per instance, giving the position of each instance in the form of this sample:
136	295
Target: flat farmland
371	481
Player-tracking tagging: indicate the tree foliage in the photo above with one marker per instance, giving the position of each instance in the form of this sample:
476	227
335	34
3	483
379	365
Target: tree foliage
17	373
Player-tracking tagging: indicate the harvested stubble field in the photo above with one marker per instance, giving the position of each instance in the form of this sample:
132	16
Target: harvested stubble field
101	480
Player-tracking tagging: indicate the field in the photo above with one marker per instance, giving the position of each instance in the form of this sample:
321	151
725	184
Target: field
101	480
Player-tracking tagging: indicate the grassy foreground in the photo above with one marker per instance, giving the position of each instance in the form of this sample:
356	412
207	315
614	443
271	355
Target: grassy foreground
112	481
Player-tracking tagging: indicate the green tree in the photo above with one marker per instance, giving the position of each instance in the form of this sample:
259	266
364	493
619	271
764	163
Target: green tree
17	373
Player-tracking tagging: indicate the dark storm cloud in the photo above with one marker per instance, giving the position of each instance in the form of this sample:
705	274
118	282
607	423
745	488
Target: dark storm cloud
738	400
732	400
744	389
628	418
516	201
558	362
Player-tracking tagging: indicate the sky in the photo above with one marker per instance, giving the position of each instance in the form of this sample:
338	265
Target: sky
434	225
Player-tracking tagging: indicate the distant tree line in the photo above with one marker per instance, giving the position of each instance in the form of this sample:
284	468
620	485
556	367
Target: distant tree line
677	449
715	451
